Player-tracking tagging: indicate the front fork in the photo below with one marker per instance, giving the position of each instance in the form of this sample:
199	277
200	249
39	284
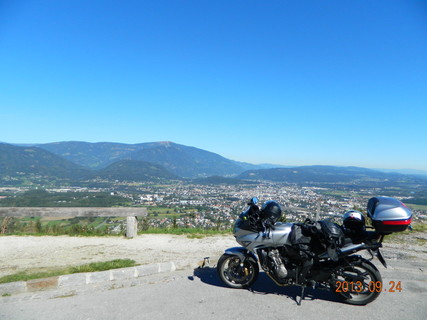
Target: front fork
243	254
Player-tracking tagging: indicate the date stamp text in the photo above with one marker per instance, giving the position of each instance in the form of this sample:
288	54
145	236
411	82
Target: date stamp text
372	286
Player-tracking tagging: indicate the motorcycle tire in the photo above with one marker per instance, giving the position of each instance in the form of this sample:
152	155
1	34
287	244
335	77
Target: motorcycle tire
358	282
236	274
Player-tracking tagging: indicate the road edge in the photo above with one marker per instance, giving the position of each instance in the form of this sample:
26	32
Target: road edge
75	280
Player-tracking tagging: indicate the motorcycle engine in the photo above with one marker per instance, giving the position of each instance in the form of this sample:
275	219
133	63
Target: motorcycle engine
279	268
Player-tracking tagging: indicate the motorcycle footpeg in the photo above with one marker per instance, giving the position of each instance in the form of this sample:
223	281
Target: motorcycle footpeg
312	284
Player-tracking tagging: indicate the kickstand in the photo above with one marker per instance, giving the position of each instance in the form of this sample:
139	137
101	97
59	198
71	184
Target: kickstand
301	296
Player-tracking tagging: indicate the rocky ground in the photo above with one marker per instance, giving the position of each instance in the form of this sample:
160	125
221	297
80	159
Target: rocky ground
412	246
30	254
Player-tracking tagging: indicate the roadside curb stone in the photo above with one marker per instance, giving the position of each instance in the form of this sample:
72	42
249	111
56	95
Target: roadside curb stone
13	288
42	284
75	280
70	280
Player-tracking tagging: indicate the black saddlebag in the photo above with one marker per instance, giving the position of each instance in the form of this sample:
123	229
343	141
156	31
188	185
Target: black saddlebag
321	236
301	252
333	237
301	242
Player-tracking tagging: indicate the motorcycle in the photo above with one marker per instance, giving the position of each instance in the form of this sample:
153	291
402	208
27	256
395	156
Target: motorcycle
319	254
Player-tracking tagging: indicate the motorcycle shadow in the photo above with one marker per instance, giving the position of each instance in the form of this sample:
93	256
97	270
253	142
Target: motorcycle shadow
264	285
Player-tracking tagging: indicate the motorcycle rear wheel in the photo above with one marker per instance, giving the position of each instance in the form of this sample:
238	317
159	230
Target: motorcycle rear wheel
235	273
357	282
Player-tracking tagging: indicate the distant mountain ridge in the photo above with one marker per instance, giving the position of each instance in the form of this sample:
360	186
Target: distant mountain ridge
83	161
132	170
404	171
184	161
331	174
31	164
18	161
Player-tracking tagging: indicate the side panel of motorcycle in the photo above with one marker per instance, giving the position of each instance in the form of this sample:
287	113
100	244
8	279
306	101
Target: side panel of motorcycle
272	238
281	233
389	214
252	240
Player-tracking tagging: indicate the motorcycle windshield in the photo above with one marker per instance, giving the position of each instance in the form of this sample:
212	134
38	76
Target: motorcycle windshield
243	223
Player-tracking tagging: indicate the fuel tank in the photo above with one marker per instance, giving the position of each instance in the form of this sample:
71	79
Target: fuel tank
256	240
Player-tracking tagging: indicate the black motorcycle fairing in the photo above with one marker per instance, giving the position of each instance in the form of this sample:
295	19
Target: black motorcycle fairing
249	220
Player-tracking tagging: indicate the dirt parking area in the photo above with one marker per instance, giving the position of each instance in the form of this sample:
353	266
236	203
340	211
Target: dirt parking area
29	253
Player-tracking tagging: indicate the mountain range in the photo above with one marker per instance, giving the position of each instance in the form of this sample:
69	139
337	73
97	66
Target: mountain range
334	175
183	161
78	161
21	161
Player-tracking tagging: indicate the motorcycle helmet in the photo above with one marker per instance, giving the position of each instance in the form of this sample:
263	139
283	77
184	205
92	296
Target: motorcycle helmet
354	221
270	211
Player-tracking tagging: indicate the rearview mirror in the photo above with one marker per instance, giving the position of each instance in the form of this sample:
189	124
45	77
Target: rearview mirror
254	200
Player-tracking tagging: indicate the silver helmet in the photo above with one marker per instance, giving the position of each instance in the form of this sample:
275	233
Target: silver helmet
354	220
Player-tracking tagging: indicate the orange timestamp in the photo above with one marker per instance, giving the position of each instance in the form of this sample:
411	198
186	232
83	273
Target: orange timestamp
372	286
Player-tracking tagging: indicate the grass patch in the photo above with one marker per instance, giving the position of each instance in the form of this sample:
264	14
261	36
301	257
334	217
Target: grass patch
165	215
195	236
161	210
420	241
102	266
66	296
417	206
91	267
416	227
23	276
419	227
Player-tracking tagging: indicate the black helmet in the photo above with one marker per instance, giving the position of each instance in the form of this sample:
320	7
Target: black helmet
354	220
271	211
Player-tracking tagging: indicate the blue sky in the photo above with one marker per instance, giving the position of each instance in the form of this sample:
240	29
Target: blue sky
285	82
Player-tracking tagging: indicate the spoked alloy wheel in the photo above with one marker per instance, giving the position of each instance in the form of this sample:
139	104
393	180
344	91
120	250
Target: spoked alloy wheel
358	282
235	273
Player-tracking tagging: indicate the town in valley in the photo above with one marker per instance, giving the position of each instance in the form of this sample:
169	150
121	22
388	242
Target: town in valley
210	206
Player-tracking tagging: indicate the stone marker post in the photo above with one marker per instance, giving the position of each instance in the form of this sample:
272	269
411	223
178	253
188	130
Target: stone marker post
131	227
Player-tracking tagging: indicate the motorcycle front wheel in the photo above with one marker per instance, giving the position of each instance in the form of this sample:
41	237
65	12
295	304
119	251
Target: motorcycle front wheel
236	273
357	282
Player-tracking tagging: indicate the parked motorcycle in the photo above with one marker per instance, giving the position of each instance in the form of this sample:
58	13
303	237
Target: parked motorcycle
319	254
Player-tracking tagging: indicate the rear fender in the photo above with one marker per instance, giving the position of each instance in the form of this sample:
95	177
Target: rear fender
359	258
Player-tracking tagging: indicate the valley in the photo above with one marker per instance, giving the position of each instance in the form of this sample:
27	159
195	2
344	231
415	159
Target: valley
182	187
